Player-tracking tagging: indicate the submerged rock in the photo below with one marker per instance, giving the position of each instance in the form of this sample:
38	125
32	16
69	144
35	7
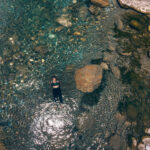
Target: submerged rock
102	3
142	6
94	10
2	147
115	142
116	71
64	21
89	77
132	112
135	24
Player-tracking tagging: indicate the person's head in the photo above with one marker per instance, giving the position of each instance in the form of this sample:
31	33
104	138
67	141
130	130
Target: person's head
54	79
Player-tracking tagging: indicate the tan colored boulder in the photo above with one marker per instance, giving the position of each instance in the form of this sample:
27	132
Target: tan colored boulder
89	77
101	3
142	6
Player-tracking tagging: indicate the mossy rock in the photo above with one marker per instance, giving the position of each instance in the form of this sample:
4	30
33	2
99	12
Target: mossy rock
132	112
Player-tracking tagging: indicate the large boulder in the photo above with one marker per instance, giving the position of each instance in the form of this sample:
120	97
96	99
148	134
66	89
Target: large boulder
101	3
89	77
142	6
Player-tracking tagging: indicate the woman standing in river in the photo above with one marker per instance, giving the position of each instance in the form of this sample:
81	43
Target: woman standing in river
55	84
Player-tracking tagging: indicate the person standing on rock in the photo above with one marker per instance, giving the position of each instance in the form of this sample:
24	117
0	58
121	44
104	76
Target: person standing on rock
55	84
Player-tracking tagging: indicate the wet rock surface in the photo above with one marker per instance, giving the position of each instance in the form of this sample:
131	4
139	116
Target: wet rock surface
89	78
141	6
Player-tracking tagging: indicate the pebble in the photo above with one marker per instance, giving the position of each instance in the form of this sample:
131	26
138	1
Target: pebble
149	28
77	33
51	36
31	60
43	60
11	64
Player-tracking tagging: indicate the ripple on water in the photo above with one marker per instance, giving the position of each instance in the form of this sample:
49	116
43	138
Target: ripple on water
52	127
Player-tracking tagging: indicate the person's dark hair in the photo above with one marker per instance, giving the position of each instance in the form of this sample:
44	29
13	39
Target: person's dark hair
54	77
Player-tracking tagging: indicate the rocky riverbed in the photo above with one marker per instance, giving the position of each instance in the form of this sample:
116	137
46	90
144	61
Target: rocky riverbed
40	39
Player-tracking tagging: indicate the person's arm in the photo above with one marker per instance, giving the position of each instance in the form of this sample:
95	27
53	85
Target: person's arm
51	84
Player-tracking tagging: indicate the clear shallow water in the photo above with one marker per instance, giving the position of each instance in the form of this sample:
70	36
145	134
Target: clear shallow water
34	121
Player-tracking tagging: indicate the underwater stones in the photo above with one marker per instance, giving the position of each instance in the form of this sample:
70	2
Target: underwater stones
136	25
147	130
134	142
22	69
119	116
83	11
115	142
148	28
148	53
64	21
146	140
132	112
2	147
108	57
89	77
116	71
94	10
41	49
141	146
85	122
142	6
119	24
101	3
111	46
126	54
1	61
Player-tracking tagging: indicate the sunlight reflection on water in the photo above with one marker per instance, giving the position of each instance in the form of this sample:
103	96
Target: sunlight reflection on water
53	125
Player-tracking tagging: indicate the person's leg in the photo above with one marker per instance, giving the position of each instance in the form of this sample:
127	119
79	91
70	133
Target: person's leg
54	95
60	96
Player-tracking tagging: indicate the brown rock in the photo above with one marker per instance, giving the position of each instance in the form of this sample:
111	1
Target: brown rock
126	54
1	61
64	21
101	3
111	46
134	142
142	6
89	77
119	117
94	10
146	140
116	71
115	142
141	146
41	49
2	147
147	130
108	57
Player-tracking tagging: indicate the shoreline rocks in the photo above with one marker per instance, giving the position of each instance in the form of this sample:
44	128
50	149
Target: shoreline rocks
89	77
138	5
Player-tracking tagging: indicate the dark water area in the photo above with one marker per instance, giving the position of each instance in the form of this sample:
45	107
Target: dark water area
34	47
